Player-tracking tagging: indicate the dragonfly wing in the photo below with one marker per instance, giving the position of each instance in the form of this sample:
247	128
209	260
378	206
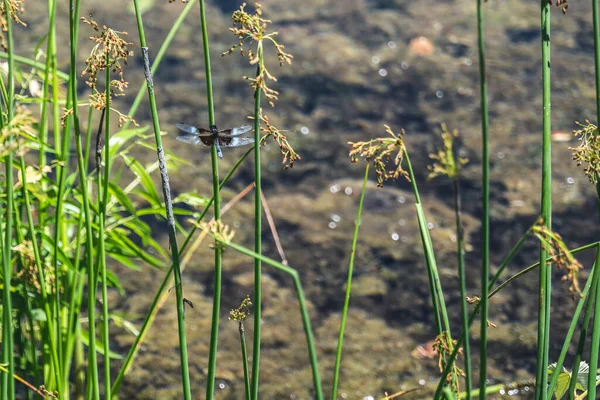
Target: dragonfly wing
235	141
188	128
191	139
240	130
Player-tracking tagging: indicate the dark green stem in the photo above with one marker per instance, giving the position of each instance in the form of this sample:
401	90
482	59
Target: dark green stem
244	361
595	345
8	383
257	234
543	337
102	207
214	329
338	354
463	286
485	198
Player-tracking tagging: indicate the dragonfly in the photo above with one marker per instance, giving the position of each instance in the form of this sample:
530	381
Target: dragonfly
220	138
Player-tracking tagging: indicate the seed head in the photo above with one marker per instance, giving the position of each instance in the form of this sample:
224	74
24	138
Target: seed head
380	152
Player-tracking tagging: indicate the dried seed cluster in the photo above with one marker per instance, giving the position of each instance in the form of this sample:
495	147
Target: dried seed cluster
380	151
446	162
111	51
287	151
16	136
553	244
242	312
15	7
588	151
253	27
444	346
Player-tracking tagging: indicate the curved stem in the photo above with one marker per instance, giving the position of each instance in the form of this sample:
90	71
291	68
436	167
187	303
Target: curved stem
338	354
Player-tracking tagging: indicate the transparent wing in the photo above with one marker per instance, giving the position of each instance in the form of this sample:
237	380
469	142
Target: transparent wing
191	129
235	141
239	130
190	139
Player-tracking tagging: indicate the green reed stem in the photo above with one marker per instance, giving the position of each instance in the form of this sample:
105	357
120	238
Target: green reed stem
257	233
185	375
543	336
595	345
338	354
92	363
303	310
43	130
8	384
592	281
128	362
245	361
463	286
439	305
102	220
214	328
485	218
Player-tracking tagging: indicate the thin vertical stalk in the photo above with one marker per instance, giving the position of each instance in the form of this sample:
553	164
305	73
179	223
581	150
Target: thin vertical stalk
8	385
596	22
463	286
245	361
102	208
214	328
485	198
595	345
45	89
338	354
543	336
257	234
92	363
185	374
